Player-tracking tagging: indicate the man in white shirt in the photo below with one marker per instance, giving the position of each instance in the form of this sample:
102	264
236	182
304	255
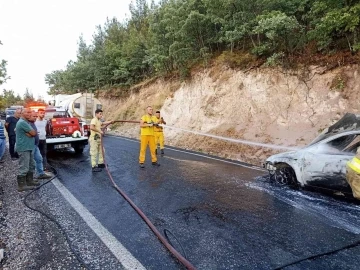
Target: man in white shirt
40	124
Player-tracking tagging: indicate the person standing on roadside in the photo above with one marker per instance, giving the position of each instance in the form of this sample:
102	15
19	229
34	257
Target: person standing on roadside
353	174
39	168
147	137
2	142
97	159
25	140
10	124
158	132
40	124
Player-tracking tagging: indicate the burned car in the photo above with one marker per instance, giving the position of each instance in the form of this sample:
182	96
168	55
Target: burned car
321	164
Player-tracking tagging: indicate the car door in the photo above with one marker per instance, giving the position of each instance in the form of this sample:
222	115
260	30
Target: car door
325	162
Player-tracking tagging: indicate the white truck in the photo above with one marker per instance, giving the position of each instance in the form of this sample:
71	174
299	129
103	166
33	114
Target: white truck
80	105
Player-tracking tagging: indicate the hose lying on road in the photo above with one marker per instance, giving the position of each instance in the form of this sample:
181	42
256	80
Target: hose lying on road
81	261
162	239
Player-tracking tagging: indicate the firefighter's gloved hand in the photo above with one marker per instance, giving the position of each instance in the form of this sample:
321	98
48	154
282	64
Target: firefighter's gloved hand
150	124
156	125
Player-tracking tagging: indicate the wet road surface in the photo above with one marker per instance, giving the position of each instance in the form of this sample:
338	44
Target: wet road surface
224	215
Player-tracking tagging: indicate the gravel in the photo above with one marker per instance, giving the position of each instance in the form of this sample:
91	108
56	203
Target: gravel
29	240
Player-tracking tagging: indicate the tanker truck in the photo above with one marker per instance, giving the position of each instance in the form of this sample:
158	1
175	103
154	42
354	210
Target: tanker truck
81	106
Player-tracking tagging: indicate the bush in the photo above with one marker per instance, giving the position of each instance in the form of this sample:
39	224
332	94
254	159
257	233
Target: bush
236	60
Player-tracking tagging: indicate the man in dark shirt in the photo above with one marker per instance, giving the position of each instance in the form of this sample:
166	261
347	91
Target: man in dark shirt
10	125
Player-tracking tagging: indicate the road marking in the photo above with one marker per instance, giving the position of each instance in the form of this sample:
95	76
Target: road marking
120	252
200	155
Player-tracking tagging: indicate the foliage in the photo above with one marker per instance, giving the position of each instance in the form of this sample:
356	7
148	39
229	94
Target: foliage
173	35
339	82
8	98
3	71
275	59
28	96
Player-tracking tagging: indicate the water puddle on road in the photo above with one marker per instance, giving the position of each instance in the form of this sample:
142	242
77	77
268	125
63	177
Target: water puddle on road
340	214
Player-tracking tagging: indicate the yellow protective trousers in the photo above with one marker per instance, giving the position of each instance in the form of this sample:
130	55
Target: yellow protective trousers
159	138
95	152
146	140
353	178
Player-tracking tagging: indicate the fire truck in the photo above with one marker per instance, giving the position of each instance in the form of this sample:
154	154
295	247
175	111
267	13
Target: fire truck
69	121
64	131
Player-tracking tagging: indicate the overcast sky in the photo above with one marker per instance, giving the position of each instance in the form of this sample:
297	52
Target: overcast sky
40	36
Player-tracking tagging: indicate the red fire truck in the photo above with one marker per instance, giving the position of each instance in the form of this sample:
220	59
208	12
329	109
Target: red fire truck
63	131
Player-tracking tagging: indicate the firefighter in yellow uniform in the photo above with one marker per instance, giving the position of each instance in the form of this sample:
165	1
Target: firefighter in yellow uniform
353	174
158	132
147	137
95	141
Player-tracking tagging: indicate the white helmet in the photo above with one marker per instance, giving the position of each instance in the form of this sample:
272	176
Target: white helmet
76	134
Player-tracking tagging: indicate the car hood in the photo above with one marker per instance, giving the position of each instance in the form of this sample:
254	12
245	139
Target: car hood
286	155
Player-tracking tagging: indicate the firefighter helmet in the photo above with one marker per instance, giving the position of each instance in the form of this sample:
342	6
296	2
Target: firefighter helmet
76	134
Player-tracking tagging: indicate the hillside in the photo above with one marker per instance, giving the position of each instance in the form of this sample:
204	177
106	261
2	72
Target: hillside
264	105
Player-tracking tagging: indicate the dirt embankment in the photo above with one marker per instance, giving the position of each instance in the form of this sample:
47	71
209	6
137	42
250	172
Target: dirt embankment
274	106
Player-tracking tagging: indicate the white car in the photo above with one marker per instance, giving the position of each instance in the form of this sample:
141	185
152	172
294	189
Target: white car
322	164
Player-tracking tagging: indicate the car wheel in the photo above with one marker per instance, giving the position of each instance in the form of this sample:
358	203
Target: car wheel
284	176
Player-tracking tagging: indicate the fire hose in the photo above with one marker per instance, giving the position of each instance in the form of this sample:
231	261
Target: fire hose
162	239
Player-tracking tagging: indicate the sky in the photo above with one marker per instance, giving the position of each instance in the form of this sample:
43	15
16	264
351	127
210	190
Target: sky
40	36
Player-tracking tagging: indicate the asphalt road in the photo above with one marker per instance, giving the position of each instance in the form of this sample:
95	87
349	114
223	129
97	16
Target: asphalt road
221	214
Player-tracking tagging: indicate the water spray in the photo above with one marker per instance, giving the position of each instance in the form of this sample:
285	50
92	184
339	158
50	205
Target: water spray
266	145
274	146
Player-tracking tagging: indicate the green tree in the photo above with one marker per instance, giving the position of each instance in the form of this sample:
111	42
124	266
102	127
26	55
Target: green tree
3	72
338	27
28	96
8	98
276	32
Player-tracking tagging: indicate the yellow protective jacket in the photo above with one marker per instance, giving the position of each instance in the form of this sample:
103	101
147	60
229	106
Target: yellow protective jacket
353	174
354	164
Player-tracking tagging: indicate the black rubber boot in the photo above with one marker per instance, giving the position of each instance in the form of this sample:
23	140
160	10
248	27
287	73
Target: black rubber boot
30	180
96	169
156	151
22	184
